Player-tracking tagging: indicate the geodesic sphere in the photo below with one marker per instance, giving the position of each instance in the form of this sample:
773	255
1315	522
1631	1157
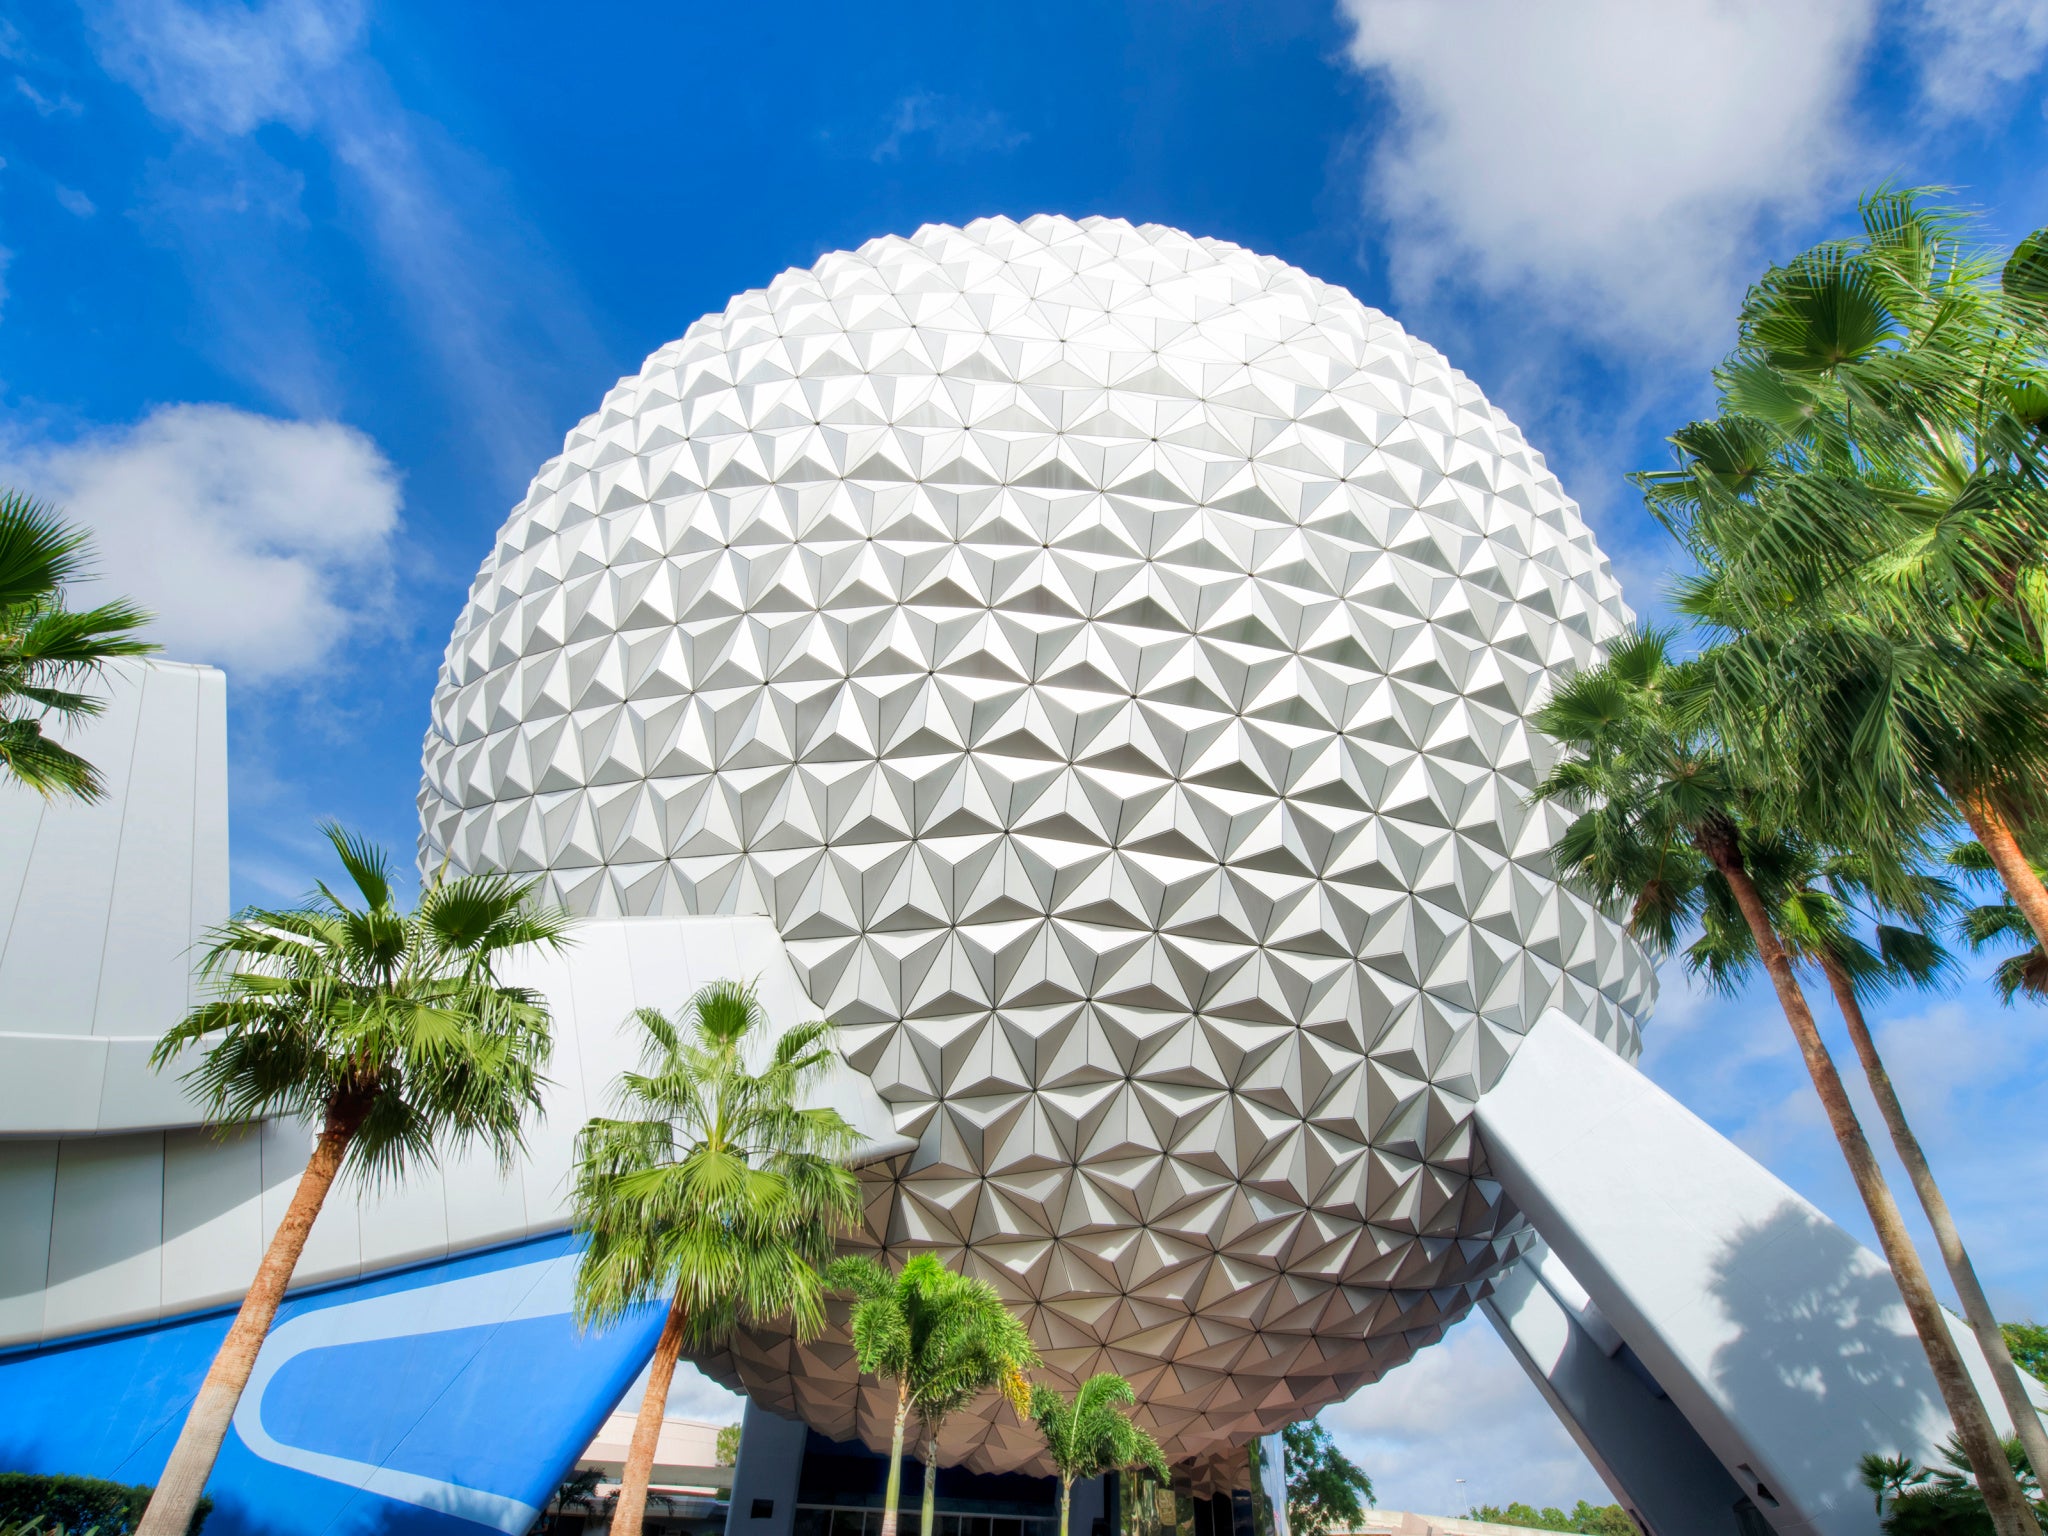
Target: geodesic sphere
1107	655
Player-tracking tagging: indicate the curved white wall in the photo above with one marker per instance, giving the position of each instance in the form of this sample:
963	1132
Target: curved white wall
101	905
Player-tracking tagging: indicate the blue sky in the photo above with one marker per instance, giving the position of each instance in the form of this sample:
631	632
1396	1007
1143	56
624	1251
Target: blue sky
296	296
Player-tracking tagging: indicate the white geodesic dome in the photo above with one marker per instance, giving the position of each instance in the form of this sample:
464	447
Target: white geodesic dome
1107	656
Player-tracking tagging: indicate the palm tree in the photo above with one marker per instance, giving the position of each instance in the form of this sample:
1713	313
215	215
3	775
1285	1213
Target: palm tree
1814	900
1661	809
391	1031
1870	512
2001	925
714	1188
944	1339
47	650
1092	1434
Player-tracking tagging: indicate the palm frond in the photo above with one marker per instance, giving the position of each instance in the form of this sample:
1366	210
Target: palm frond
352	1008
713	1183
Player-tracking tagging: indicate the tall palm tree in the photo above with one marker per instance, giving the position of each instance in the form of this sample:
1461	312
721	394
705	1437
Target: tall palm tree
47	650
714	1188
391	1031
944	1339
1657	794
1870	512
1092	1434
1813	901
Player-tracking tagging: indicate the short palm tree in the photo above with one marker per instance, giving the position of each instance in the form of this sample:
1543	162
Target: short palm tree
714	1188
944	1339
47	650
389	1030
1661	806
1092	1434
1815	901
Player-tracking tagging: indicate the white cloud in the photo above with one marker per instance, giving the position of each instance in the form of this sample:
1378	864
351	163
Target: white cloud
74	202
227	68
693	1395
259	544
1969	54
1461	1409
1611	161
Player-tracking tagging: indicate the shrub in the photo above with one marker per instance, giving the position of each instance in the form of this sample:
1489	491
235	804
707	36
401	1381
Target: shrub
1940	1500
34	1502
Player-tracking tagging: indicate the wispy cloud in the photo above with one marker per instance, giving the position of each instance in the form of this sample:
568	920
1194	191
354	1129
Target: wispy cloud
259	544
946	128
60	105
474	283
227	69
1970	56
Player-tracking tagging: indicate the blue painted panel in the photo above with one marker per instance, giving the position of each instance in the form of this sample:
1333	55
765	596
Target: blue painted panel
447	1399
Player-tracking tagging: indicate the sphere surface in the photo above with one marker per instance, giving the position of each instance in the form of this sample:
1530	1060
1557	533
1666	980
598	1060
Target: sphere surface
1107	655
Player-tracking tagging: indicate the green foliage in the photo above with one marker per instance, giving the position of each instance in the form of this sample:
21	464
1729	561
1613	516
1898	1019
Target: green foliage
1326	1490
944	1338
1828	909
1868	515
1999	925
716	1184
1602	1520
1653	789
2029	1345
390	1025
728	1452
1092	1433
1592	1519
1943	1500
31	1504
48	653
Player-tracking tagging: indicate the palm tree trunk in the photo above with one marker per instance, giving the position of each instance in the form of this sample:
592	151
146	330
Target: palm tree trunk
1066	1500
2010	1514
183	1482
895	1493
1988	824
632	1507
931	1481
1962	1273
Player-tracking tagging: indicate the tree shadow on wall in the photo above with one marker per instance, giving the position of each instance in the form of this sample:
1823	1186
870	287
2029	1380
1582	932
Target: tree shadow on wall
1826	1366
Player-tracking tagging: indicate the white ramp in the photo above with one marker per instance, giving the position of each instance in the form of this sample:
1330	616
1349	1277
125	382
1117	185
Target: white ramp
1780	1339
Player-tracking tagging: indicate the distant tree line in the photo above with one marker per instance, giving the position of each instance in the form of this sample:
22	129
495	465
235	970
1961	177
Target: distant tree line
1592	1519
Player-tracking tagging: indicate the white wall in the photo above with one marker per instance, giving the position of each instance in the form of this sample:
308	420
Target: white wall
102	904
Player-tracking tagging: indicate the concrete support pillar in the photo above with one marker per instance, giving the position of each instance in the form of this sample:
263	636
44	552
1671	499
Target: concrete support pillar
1658	1469
1780	1340
764	1482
